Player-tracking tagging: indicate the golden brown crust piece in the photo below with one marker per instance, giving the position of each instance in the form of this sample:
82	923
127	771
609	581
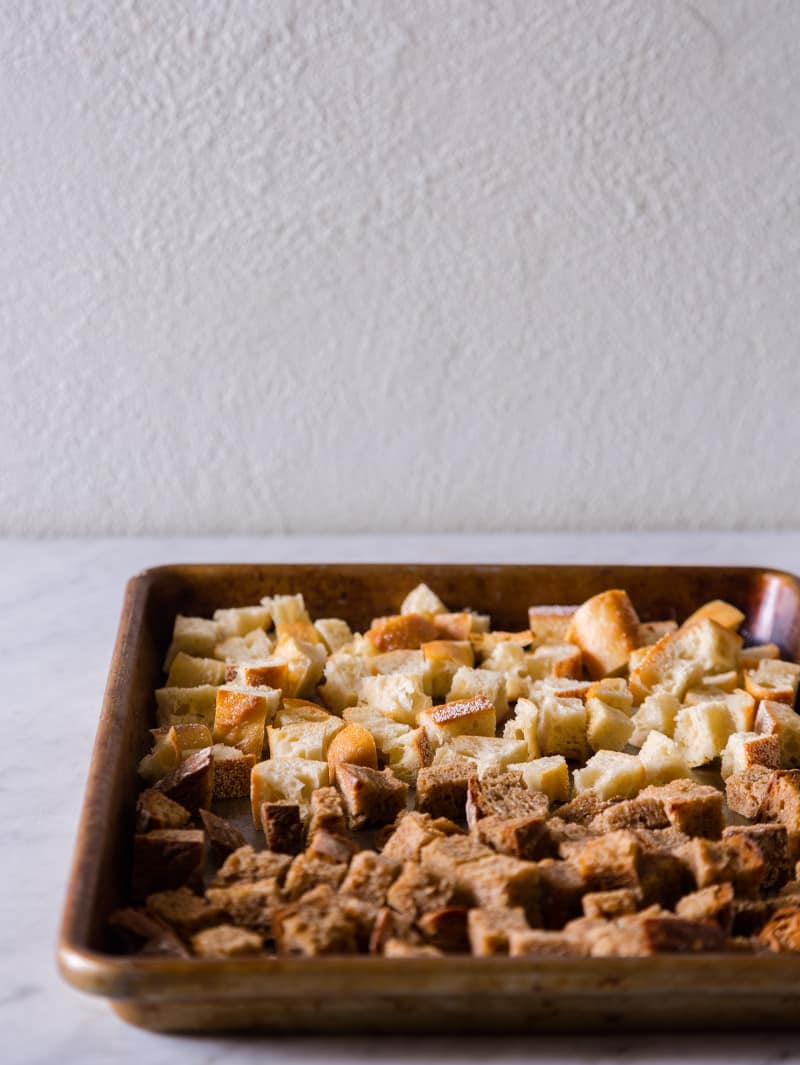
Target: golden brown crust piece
605	629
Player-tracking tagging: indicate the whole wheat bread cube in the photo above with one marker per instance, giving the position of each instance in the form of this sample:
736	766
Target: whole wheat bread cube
745	791
524	837
712	903
282	825
232	772
249	904
583	809
736	859
442	790
611	904
610	861
695	809
308	871
489	929
315	924
327	811
561	888
403	948
329	845
371	798
412	831
782	931
369	876
504	794
192	783
167	858
155	810
184	911
537	941
226	941
418	890
247	865
223	837
773	842
641	812
657	933
446	929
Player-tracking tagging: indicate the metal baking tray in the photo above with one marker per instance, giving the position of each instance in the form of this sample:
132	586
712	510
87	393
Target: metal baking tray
362	994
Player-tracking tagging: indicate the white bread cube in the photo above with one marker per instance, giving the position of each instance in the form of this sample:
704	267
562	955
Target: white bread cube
717	682
485	643
607	729
549	775
292	779
777	719
444	658
650	632
334	632
510	659
555	660
487	752
286	609
741	706
411	752
725	614
662	759
195	636
605	629
255	645
343	673
187	671
524	725
421	600
240	620
746	749
562	728
562	687
241	716
294	710
384	730
657	713
303	739
399	696
176	706
774	680
679	660
259	673
611	775
470	683
306	662
549	624
702	731
165	756
614	691
410	663
749	657
462	717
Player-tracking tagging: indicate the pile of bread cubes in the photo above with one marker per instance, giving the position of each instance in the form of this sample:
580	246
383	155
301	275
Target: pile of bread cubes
592	785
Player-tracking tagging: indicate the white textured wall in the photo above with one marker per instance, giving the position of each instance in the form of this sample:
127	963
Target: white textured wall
272	266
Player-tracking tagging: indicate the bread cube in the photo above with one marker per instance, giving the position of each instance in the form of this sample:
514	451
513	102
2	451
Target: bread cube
155	810
335	633
442	789
562	728
702	731
176	706
549	624
611	775
167	858
457	627
370	798
293	779
510	659
254	646
240	620
401	632
724	614
487	752
286	608
399	696
657	713
749	657
662	759
189	672
163	758
224	838
241	716
555	660
604	627
650	632
746	749
680	659
778	719
489	929
191	783
226	941
524	725
304	739
352	744
693	809
468	684
614	691
608	729
343	673
773	680
305	660
421	600
463	717
195	636
443	659
293	710
781	801
259	673
408	663
745	791
548	775
561	687
411	753
232	770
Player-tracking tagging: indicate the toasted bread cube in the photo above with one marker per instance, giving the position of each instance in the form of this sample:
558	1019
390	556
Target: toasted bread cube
411	753
444	658
604	628
352	744
781	801
608	729
650	632
504	793
694	809
240	620
318	923
155	810
489	929
741	706
555	660
370	798
562	728
285	778
656	714
195	636
662	759
457	627
611	775
226	941
241	716
611	904
327	813
746	749
261	673
549	775
614	691
167	858
773	842
549	624
681	658
469	684
255	645
442	790
749	657
462	717
725	614
189	672
343	673
524	725
247	865
305	739
399	696
702	731
286	608
737	860
401	632
720	682
250	904
773	680
778	719
487	752
182	705
164	757
305	660
782	930
421	600
232	770
192	783
301	631
745	791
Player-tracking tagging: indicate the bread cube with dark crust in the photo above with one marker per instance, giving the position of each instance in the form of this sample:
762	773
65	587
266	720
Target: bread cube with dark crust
389	924
782	930
141	931
419	889
583	809
521	837
315	924
446	929
781	801
226	941
327	811
663	877
371	798
282	824
712	903
541	943
192	783
167	858
745	791
155	810
247	865
223	837
695	809
736	859
504	794
442	790
773	842
308	871
332	848
656	932
411	832
489	929
369	876
640	812
561	888
611	904
249	904
184	911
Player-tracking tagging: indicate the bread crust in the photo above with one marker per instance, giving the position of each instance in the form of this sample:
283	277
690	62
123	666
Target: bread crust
605	629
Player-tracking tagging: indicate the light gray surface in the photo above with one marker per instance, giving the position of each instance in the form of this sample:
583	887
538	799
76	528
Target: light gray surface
325	266
59	606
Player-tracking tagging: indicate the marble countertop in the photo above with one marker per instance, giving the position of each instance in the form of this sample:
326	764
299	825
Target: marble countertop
59	608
